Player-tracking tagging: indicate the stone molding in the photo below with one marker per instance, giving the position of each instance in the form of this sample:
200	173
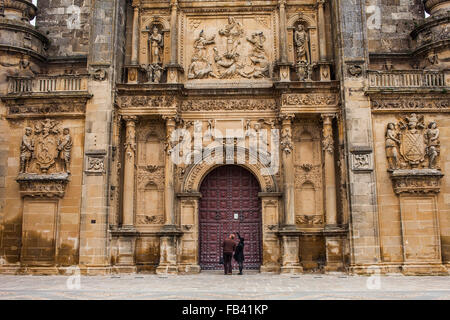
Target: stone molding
43	185
416	181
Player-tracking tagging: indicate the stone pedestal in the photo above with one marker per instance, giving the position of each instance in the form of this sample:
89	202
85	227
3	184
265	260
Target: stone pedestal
168	250
174	73
126	250
334	242
290	241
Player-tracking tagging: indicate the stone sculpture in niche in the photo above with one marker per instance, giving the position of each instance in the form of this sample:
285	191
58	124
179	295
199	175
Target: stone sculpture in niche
154	67
303	61
411	144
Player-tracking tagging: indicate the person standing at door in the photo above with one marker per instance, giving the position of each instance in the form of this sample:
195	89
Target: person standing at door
239	253
228	248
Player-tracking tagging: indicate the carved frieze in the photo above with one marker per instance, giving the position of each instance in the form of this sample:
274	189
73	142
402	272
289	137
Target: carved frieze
49	108
313	99
310	220
152	102
231	104
42	186
412	103
420	181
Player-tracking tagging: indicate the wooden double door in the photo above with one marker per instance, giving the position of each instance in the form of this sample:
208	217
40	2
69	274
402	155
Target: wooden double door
230	204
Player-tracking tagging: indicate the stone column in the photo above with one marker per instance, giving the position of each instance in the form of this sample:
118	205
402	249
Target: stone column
173	68
169	233
288	170
128	172
135	35
283	64
289	233
333	235
329	171
169	191
324	66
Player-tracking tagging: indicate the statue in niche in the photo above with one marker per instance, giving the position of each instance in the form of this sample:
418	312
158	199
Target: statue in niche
156	44
26	150
391	146
303	61
65	148
258	56
200	68
154	68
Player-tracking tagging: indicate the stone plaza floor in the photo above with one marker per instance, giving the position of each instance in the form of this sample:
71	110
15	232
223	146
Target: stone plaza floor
211	285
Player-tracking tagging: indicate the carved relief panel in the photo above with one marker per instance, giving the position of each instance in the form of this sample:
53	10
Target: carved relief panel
150	173
228	47
308	173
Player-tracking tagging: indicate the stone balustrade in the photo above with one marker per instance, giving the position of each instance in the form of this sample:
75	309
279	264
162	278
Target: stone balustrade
408	79
41	84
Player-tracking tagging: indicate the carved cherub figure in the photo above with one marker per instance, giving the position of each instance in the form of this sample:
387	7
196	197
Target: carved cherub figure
65	148
391	147
26	150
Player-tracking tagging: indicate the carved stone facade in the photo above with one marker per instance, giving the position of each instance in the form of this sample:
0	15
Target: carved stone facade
110	124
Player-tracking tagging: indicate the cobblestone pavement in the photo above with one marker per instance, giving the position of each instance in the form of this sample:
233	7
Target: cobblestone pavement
217	286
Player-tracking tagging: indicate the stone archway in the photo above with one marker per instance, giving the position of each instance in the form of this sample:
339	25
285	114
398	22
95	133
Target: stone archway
196	172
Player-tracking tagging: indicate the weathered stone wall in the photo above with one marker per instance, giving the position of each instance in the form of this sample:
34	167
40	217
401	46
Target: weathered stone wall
389	23
66	23
390	204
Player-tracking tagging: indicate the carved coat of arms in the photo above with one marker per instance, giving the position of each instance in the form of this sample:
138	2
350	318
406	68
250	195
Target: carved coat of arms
46	145
410	144
39	153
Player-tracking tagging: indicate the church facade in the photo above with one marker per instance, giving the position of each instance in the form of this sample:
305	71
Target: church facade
136	135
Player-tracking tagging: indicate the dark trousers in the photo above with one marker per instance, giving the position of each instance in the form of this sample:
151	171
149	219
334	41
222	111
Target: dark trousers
241	266
227	262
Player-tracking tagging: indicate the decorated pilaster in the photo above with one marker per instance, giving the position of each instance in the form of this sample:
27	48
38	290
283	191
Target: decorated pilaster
126	234
133	68
174	70
324	66
169	232
128	172
289	234
329	171
333	241
283	65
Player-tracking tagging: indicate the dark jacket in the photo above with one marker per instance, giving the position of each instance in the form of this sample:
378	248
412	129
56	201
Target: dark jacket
239	252
228	246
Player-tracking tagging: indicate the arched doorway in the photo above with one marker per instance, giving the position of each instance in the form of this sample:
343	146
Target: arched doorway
229	204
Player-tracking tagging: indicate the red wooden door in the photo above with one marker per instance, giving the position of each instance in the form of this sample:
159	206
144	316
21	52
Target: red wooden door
229	204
